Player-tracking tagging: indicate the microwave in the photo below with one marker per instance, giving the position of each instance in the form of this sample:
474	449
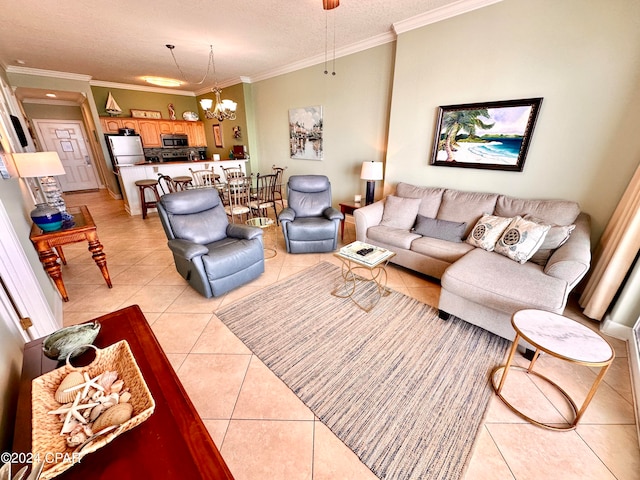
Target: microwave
174	140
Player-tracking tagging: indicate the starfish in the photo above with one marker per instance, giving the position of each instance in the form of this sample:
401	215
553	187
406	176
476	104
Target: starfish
88	383
72	412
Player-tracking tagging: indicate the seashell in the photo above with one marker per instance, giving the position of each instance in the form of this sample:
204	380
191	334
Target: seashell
71	380
96	411
97	396
76	439
125	397
110	400
107	379
117	386
116	415
70	341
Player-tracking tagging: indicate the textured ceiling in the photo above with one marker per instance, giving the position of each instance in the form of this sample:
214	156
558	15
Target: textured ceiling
122	41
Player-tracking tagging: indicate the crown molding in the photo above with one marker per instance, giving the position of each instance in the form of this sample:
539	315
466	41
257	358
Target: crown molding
356	47
439	14
141	88
47	73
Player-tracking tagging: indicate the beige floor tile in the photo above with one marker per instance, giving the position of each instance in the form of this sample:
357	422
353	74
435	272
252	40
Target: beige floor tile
534	453
217	429
618	377
74	318
101	298
217	338
178	332
266	449
156	298
176	359
264	396
486	461
333	460
191	301
617	447
301	260
213	382
168	276
163	258
137	274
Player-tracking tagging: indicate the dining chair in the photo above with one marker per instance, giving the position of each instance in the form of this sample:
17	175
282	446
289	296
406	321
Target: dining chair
231	173
277	191
204	178
166	183
263	196
237	194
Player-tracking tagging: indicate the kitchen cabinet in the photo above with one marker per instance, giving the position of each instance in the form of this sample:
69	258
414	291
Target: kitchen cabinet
151	129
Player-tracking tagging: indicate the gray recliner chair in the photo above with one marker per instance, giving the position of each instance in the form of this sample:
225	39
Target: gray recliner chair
213	255
310	223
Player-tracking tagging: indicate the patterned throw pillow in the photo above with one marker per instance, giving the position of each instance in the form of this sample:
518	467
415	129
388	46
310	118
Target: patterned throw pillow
487	231
521	239
556	237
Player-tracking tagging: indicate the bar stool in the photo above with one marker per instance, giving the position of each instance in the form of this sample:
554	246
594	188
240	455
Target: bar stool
182	182
147	185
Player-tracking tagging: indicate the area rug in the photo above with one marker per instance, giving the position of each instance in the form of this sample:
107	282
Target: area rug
403	389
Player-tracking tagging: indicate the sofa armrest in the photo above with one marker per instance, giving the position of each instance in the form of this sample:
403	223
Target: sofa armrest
571	261
187	249
239	230
331	213
287	215
366	217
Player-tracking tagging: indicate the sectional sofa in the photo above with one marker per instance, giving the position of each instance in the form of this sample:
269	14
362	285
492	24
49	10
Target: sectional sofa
494	254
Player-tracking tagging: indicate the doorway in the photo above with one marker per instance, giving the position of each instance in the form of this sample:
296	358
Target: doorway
68	139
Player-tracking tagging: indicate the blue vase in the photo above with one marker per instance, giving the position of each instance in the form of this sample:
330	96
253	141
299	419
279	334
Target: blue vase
46	217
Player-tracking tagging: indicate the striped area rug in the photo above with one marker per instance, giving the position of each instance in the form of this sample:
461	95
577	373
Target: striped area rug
403	389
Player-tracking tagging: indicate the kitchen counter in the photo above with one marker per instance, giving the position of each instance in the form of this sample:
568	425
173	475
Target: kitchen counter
129	174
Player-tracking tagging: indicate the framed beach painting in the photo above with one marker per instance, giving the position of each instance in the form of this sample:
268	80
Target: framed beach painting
490	135
305	133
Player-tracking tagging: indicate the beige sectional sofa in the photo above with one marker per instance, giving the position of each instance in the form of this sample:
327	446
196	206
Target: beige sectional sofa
480	286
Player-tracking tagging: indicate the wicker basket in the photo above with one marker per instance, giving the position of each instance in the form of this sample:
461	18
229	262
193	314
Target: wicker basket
47	443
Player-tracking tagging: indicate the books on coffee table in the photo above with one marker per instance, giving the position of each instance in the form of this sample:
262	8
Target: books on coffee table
366	254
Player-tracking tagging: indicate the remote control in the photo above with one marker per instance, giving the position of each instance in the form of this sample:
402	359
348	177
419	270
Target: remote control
364	251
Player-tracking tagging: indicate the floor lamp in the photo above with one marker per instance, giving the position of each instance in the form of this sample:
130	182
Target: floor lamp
44	166
371	171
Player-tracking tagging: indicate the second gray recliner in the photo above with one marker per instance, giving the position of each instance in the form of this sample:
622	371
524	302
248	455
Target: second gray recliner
310	223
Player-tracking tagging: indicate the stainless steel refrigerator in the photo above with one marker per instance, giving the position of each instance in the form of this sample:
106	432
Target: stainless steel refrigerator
125	150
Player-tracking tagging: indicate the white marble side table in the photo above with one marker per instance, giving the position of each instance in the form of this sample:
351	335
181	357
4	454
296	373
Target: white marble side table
562	338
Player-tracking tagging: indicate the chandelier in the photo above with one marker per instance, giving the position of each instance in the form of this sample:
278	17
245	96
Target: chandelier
224	109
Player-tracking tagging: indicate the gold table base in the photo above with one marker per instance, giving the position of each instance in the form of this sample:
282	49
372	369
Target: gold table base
377	274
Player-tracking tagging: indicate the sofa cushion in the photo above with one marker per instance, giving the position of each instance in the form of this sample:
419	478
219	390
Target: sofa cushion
521	239
560	212
497	282
458	206
555	238
400	212
437	228
430	197
440	249
487	231
396	237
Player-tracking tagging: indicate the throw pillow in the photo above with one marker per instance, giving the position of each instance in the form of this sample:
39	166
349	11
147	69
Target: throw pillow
442	229
521	239
400	212
487	231
556	237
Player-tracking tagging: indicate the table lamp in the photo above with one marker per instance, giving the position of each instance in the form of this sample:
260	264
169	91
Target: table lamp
44	165
371	171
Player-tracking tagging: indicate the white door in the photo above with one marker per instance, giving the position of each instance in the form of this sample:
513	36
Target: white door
68	139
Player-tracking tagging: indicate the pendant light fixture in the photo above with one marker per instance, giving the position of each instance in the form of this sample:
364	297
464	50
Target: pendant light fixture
329	5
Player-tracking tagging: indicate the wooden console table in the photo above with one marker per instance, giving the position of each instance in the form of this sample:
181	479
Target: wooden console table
82	228
172	443
347	208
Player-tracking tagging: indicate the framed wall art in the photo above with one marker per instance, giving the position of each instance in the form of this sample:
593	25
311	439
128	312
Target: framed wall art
305	133
136	113
489	135
217	135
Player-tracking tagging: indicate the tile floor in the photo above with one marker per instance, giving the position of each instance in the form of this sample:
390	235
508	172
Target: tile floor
265	432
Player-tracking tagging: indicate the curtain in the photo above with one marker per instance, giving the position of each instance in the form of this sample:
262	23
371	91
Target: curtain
615	253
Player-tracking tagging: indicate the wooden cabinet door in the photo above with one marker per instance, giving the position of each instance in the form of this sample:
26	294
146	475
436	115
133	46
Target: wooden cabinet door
110	125
200	135
165	126
180	127
149	131
130	123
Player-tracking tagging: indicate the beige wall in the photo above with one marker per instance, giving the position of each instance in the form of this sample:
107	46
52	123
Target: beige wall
355	106
585	62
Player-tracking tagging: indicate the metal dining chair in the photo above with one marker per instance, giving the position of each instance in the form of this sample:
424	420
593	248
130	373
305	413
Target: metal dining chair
204	178
277	190
237	194
263	197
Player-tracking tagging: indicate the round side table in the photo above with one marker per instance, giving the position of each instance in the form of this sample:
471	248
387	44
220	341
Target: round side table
266	224
562	338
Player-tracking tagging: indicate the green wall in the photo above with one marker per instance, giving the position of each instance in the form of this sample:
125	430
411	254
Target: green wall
58	112
137	99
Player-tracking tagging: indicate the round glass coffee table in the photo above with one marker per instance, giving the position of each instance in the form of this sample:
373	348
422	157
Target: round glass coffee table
562	338
267	225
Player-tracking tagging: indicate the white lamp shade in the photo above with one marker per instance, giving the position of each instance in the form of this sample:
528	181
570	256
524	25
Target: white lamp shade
206	103
38	164
371	171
